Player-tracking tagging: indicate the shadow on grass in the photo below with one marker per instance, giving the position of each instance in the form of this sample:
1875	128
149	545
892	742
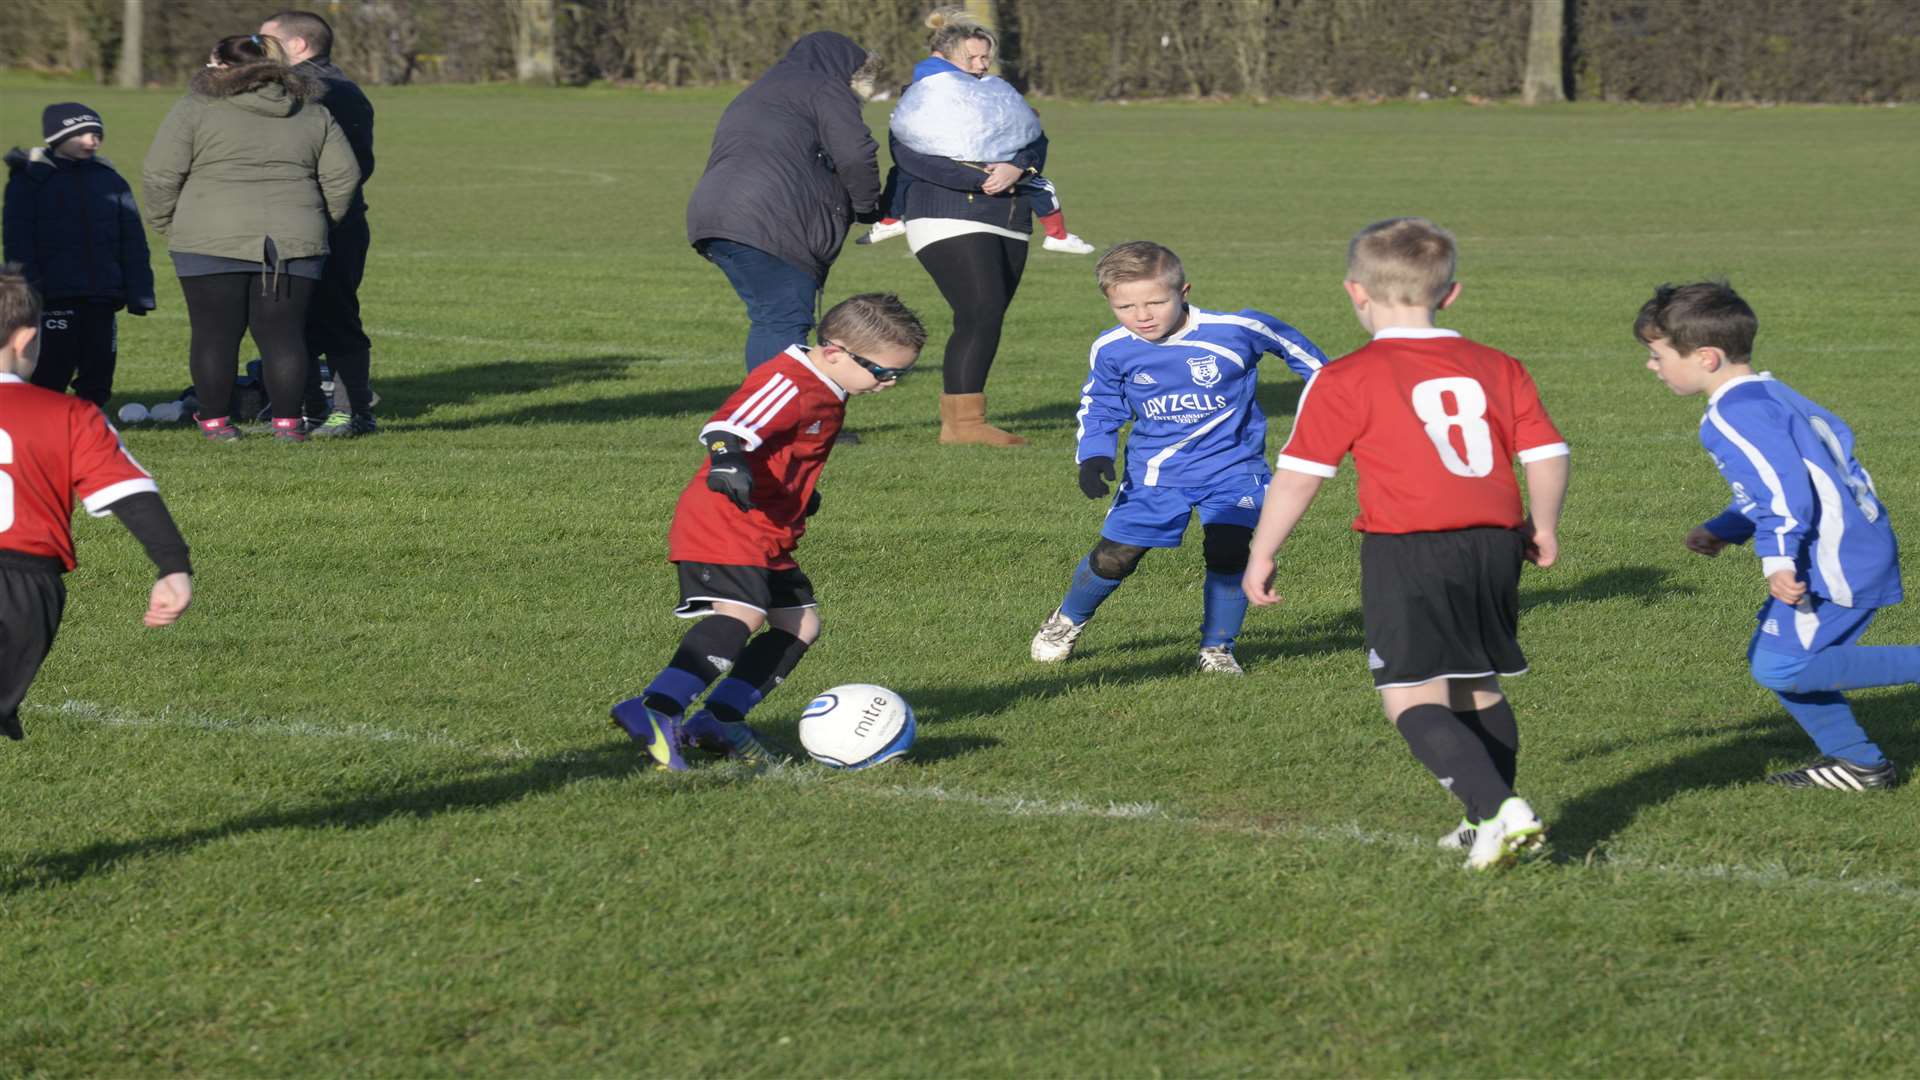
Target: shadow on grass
486	787
1277	636
1583	827
405	397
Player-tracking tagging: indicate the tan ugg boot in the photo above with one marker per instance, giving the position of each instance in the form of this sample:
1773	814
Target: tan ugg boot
963	419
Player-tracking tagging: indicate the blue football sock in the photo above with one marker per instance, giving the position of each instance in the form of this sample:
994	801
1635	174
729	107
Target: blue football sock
1086	593
1826	717
676	685
732	699
1224	612
1856	667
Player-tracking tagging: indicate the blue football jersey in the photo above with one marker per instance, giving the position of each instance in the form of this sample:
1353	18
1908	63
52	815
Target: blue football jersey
1799	494
1190	398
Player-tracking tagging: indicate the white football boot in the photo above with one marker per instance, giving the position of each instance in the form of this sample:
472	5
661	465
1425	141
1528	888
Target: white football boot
1219	660
1054	642
1460	839
1500	840
1070	244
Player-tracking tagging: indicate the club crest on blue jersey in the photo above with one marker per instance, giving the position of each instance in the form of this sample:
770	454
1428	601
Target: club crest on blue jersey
1206	369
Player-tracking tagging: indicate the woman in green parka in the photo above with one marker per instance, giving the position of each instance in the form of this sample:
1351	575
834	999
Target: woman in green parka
244	179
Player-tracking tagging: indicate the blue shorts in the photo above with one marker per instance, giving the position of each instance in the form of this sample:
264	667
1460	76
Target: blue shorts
1802	631
1158	516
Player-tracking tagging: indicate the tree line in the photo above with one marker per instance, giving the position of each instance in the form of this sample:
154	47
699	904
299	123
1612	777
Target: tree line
1612	50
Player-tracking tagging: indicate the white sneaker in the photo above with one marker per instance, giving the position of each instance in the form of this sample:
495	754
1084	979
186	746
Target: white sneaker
1069	243
1054	642
1460	839
1500	839
1219	659
883	231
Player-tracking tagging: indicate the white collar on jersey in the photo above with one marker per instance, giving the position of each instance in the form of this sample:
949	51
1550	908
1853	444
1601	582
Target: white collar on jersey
1416	333
799	352
1714	398
8	376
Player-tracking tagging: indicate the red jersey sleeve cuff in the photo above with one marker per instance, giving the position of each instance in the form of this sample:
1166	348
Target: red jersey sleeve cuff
1302	465
101	502
1542	453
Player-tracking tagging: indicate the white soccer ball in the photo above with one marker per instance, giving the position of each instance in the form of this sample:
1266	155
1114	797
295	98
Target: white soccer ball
856	726
133	413
167	412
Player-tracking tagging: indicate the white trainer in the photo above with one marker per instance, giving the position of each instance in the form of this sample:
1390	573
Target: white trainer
1219	659
883	231
1460	839
1054	642
1069	243
1501	839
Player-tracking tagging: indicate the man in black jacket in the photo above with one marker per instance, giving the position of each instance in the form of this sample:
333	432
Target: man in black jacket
792	167
333	320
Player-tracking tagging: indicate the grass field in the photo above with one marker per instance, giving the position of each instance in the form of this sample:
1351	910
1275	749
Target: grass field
360	812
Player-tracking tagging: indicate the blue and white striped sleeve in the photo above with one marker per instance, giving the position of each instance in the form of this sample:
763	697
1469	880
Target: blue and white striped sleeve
1760	462
1287	343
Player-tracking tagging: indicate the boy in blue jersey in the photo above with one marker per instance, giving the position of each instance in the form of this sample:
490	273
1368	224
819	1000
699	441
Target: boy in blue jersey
1825	543
1185	379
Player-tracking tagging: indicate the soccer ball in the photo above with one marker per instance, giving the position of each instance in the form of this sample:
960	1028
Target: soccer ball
856	726
133	413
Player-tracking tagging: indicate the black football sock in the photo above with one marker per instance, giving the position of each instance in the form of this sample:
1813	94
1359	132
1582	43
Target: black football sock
705	654
1499	732
1456	757
764	664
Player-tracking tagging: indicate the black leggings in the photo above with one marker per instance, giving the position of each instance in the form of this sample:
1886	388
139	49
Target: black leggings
223	308
978	274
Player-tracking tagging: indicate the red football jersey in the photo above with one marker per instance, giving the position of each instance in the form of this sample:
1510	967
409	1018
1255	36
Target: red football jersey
1434	422
54	449
786	415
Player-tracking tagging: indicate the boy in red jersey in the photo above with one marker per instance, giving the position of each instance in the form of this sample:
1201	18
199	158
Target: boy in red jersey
1433	422
741	516
54	448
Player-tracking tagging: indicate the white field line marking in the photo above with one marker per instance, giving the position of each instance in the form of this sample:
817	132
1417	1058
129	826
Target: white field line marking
175	717
1765	876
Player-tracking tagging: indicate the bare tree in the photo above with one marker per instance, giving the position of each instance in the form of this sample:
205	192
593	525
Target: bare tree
1546	34
533	22
133	22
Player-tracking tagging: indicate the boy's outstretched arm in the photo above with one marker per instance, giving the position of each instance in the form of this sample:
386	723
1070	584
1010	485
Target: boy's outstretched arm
1546	493
1288	495
146	517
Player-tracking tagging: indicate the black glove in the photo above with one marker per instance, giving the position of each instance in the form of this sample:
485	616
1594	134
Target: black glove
813	503
1092	472
730	473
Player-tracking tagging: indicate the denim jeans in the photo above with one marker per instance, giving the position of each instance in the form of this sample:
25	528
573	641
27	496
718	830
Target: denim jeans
779	297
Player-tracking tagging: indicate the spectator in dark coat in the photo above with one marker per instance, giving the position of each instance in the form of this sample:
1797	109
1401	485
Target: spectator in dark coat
793	166
71	224
333	318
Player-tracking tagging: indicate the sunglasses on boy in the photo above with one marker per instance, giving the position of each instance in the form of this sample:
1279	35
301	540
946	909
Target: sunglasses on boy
884	374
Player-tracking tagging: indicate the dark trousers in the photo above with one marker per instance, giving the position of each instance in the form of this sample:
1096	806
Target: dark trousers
333	323
978	274
32	599
780	297
79	345
222	309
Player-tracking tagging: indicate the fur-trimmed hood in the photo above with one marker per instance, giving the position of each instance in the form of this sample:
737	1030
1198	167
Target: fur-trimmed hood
264	87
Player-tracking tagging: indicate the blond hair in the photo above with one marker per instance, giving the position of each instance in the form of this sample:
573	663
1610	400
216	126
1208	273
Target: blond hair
951	26
1139	260
865	320
1407	261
